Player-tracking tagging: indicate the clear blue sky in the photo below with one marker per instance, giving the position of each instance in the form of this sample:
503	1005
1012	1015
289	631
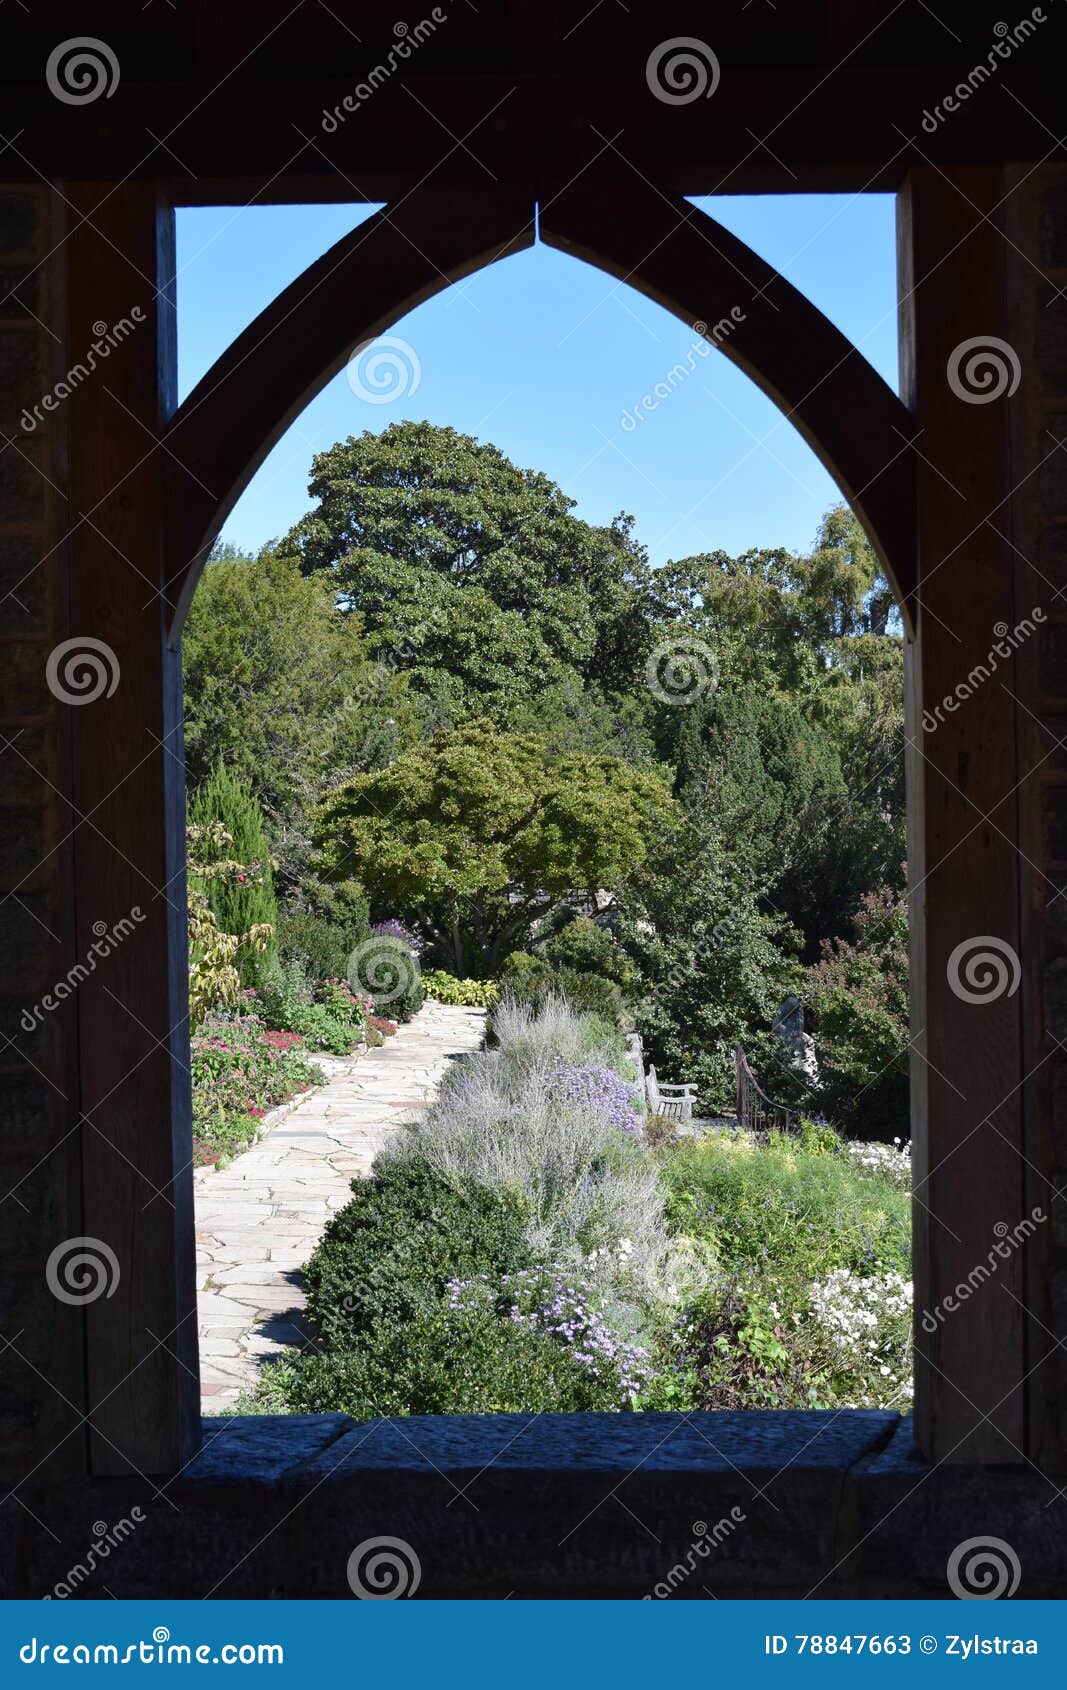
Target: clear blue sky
542	355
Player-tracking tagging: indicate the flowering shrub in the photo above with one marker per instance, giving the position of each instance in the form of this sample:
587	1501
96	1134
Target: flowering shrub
546	1301
333	1020
599	1087
240	1069
392	929
382	1024
861	1330
890	1162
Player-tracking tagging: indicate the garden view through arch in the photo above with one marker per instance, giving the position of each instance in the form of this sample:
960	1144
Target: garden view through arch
663	247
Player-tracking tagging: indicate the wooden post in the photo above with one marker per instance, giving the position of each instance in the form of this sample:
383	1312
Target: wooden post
965	866
128	798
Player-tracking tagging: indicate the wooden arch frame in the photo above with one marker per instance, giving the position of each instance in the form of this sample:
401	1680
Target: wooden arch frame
663	247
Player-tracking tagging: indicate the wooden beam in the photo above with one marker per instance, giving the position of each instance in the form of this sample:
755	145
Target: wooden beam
129	856
964	863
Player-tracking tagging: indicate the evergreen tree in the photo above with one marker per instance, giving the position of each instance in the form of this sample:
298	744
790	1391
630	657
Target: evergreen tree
245	900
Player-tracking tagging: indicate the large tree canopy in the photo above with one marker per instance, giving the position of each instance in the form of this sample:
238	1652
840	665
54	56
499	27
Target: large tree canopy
482	833
279	687
473	575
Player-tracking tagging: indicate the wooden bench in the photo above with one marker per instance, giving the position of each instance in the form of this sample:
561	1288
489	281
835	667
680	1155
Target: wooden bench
676	1102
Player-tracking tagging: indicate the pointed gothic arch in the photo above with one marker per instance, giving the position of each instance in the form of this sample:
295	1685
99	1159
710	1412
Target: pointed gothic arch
659	244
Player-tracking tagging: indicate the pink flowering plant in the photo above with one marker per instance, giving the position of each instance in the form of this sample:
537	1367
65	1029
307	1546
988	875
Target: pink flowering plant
240	1069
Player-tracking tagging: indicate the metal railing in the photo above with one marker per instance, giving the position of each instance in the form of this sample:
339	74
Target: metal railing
756	1112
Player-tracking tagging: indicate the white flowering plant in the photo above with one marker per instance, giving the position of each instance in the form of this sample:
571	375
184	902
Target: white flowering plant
859	1332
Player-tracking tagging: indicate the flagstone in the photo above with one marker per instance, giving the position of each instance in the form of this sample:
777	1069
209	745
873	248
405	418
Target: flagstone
259	1219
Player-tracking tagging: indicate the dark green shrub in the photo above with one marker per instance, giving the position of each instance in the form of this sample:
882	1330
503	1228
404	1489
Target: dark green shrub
440	1360
385	968
321	927
404	1236
584	948
529	979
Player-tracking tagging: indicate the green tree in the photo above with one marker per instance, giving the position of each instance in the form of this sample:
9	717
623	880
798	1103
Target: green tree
480	834
713	968
473	576
279	686
230	831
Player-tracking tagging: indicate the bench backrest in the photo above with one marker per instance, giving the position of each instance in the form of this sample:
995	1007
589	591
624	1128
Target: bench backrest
652	1091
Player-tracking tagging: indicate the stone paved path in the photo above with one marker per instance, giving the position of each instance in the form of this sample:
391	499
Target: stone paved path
259	1219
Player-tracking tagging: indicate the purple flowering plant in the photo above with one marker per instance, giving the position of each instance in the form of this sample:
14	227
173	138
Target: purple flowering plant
593	1085
393	929
545	1300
